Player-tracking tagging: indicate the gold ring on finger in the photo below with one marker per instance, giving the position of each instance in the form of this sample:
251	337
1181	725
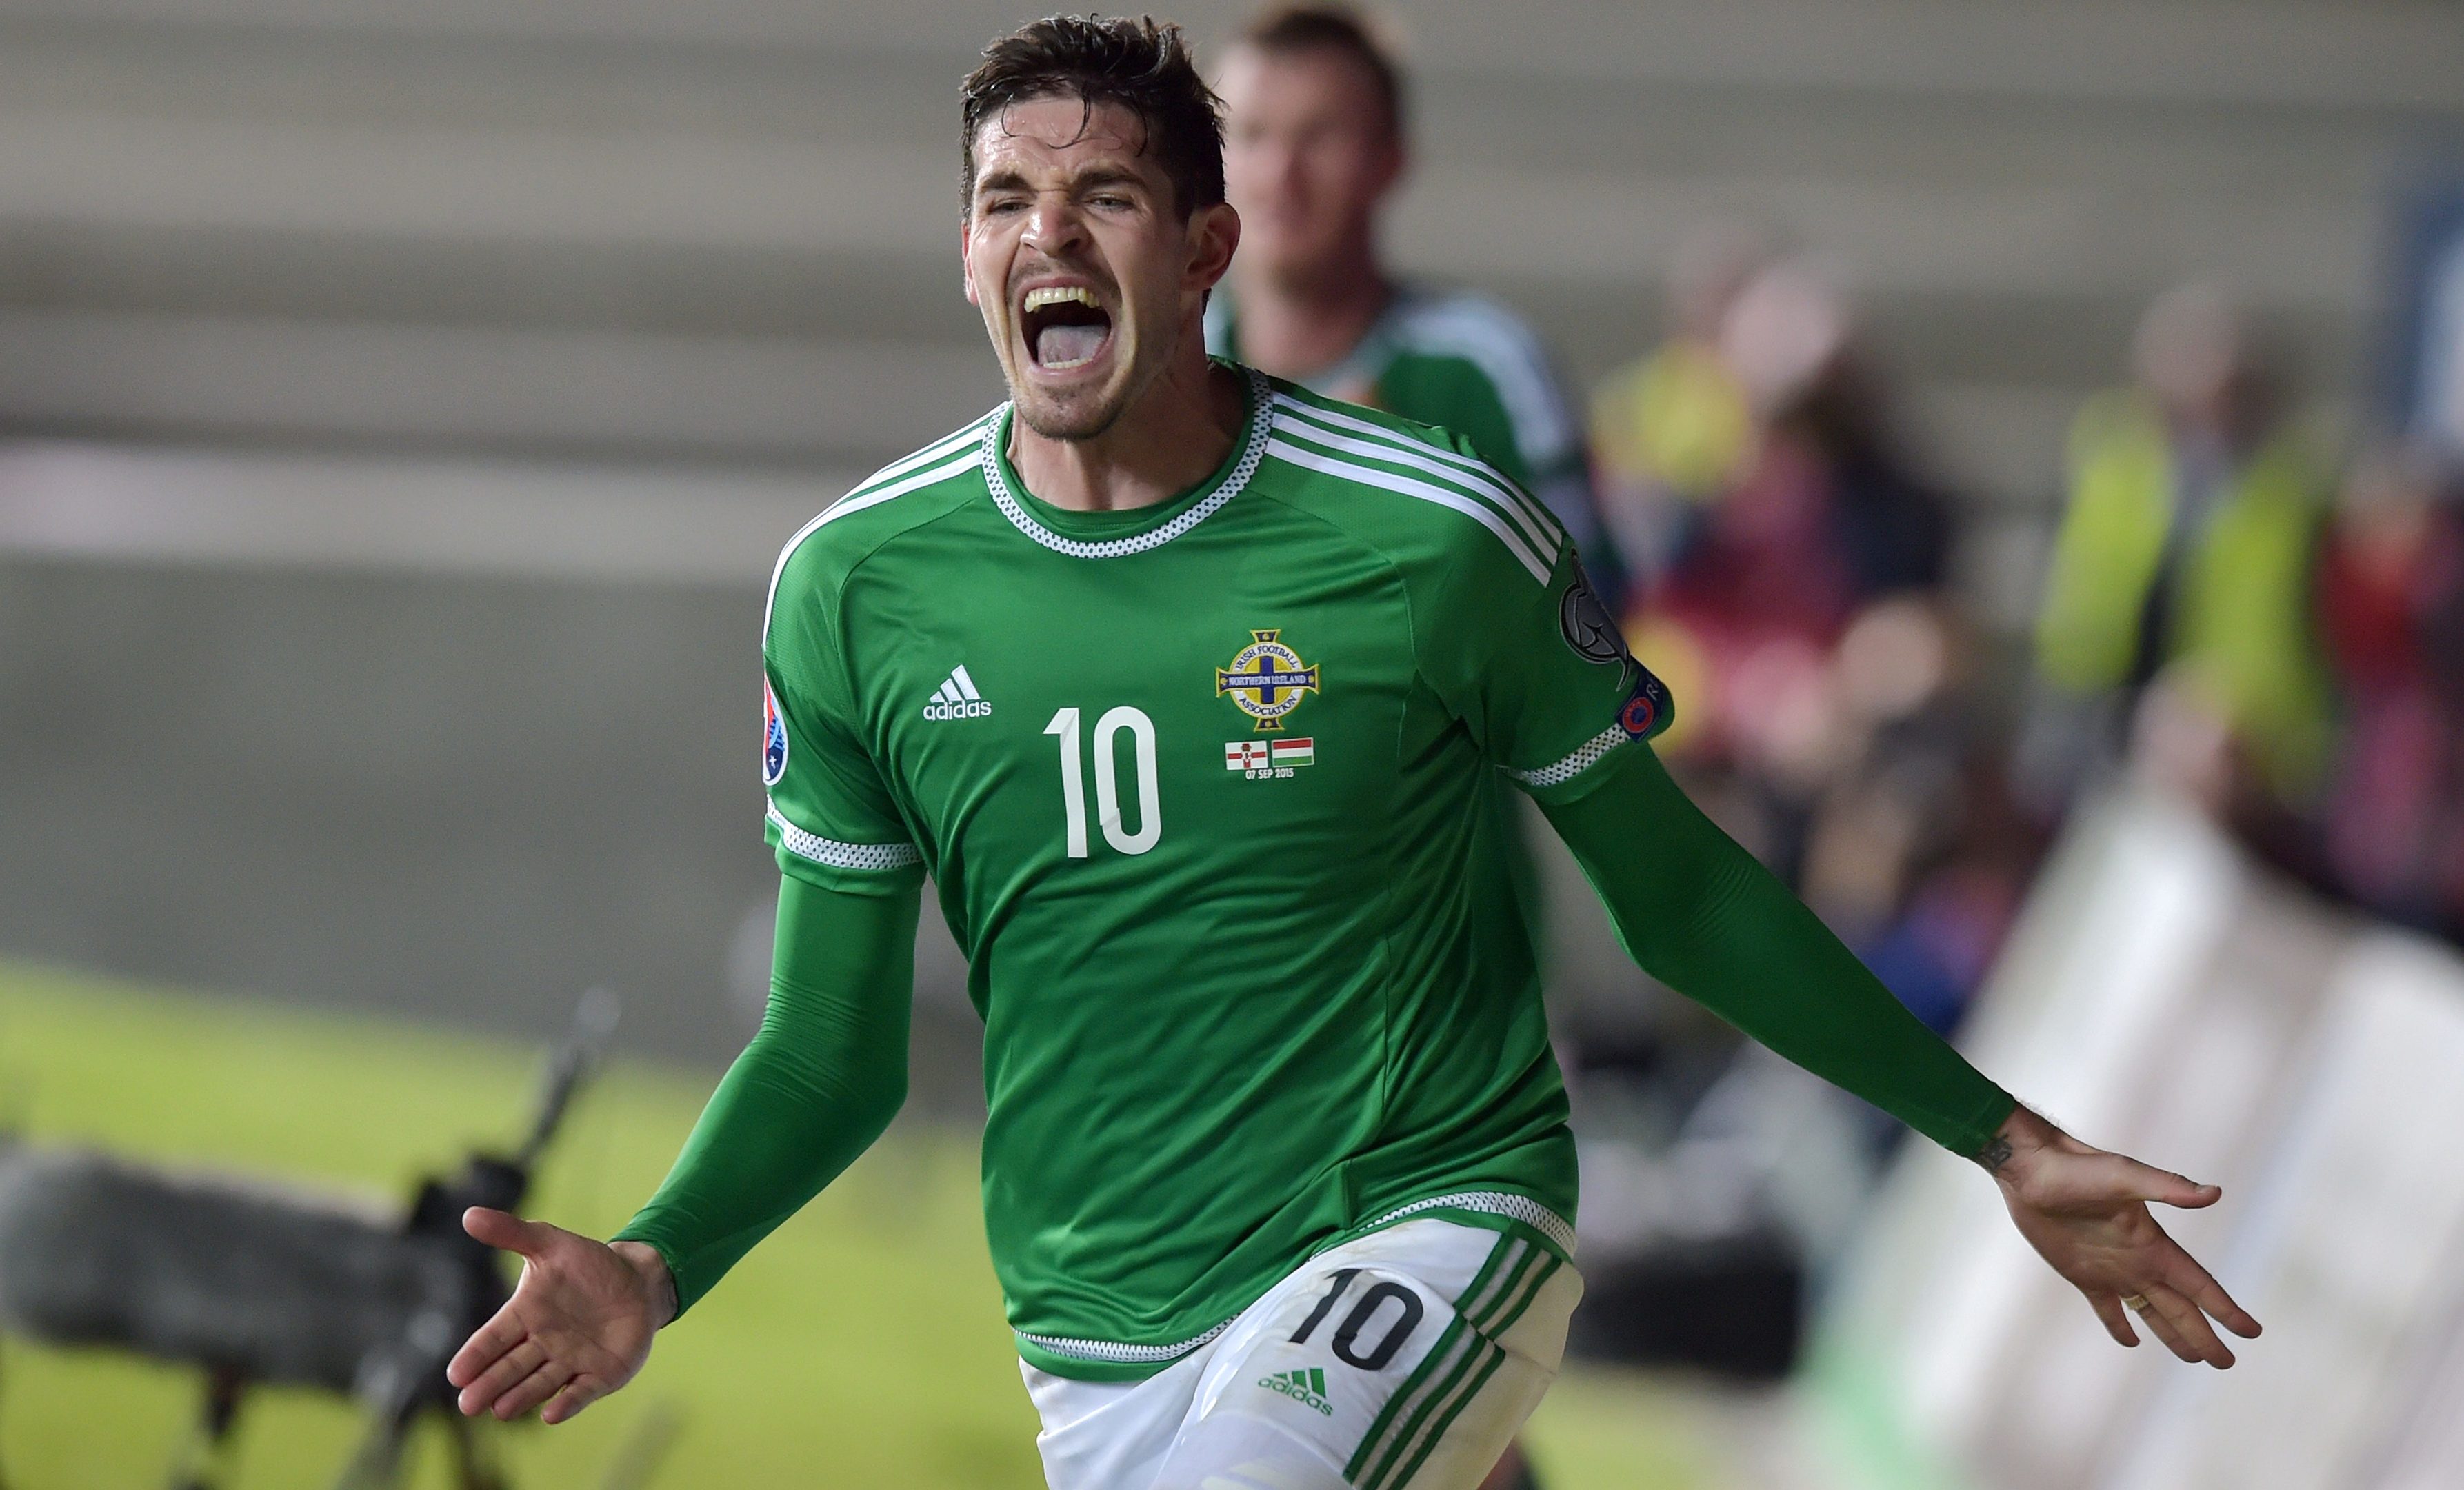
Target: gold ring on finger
2136	1304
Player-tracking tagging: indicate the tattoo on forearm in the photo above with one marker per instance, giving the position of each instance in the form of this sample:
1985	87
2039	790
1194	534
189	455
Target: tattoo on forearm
1996	1153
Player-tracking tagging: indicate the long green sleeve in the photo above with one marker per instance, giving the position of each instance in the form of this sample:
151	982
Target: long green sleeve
816	1086
1702	916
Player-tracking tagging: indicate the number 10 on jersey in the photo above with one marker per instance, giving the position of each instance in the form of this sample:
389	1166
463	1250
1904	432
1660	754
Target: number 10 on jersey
1108	786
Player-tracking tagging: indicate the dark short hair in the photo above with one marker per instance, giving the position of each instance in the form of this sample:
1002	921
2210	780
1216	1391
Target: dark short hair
1142	65
1333	28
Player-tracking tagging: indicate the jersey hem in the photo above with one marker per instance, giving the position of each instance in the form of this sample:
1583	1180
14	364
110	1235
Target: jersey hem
1489	1211
1505	1212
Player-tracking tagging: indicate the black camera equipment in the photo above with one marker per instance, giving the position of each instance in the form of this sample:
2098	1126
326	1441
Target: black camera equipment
262	1284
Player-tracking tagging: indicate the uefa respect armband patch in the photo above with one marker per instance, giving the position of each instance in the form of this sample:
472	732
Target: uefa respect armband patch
1648	709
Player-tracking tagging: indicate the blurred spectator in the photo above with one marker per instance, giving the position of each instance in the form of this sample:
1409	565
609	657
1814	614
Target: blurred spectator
1816	517
1672	431
2185	551
1796	604
1315	143
2392	611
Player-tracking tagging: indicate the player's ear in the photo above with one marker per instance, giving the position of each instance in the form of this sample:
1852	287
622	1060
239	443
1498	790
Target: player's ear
966	264
1394	164
1214	234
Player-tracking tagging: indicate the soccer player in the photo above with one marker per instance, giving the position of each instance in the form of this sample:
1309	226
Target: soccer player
1181	682
1313	144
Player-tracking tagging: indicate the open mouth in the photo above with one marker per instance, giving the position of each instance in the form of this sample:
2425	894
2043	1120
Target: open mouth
1065	328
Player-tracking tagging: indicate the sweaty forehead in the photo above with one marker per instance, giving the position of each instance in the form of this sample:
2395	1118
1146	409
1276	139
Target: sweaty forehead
1060	134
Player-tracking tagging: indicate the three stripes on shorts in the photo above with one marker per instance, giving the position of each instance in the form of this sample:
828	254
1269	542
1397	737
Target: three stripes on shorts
1456	1367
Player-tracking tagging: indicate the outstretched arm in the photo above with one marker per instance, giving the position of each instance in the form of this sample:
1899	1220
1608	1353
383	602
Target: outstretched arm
811	1092
1700	914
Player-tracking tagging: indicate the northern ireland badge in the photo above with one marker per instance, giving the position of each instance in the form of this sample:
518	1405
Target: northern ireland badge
1267	679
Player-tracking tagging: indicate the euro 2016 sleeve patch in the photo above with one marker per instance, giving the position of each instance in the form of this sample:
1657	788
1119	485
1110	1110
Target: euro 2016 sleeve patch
774	738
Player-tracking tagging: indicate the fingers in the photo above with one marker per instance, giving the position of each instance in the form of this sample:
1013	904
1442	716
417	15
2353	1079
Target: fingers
532	1390
508	1370
2182	1326
510	1233
2196	1284
2116	1318
503	1331
2161	1326
2146	1182
577	1394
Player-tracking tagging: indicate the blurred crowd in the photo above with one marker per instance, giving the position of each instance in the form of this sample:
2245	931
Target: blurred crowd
2264	618
2229	607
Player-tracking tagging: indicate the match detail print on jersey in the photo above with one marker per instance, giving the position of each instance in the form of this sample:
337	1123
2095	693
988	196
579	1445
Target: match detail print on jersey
1269	760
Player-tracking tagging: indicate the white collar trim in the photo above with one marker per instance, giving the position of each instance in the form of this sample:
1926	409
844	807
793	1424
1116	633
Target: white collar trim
1253	450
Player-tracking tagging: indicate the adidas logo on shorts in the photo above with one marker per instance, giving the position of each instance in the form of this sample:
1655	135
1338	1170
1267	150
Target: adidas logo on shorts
957	698
1307	1386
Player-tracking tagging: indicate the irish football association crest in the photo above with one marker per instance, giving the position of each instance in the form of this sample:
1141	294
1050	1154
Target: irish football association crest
1267	679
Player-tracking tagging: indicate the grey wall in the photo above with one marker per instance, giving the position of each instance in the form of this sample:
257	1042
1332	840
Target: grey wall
459	800
292	261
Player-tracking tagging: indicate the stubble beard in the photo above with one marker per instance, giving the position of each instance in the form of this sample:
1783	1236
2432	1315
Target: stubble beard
1088	414
1082	418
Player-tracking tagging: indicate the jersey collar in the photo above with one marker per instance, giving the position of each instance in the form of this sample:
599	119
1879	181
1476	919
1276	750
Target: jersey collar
1168	521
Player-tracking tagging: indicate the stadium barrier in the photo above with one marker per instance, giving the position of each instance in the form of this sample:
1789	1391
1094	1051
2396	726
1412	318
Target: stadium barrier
2164	997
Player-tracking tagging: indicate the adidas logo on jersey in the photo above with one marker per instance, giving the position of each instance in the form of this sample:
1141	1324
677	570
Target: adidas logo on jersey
957	698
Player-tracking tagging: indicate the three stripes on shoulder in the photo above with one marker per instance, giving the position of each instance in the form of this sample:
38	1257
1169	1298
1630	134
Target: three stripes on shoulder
1434	474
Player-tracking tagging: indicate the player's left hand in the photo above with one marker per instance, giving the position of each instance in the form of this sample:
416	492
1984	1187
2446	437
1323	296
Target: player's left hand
2086	1212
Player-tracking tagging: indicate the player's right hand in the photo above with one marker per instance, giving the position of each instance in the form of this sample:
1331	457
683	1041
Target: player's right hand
578	1326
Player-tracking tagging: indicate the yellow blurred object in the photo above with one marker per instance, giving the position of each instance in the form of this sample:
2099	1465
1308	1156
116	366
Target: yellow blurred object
1677	419
1677	659
2238	616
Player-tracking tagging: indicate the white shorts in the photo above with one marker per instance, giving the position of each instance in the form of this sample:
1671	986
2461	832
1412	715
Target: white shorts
1407	1358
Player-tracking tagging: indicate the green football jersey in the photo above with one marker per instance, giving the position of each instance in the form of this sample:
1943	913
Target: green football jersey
1464	363
1197	786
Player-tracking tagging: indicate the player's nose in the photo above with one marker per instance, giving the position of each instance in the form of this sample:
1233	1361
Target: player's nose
1052	224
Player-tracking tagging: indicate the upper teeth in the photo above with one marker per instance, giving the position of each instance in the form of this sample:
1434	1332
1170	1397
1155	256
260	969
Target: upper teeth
1060	295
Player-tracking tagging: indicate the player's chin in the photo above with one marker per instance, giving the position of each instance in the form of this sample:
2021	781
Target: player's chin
1067	407
1066	417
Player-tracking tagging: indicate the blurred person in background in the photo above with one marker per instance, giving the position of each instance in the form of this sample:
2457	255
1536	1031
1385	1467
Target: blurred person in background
2391	616
1796	584
1813	517
2182	571
1672	431
1315	143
